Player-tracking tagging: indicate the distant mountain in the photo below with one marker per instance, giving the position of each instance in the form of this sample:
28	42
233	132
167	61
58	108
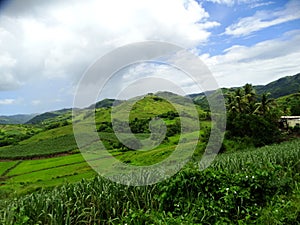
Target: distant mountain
49	116
281	87
16	119
66	114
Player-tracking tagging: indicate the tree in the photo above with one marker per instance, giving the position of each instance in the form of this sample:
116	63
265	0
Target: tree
250	97
265	105
251	119
295	109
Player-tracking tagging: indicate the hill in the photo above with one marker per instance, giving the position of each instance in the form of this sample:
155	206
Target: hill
290	104
105	103
281	87
57	116
16	119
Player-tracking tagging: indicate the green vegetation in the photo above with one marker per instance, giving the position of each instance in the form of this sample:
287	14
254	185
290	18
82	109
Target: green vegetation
23	176
16	119
41	170
254	121
236	189
290	104
284	86
50	117
12	134
52	146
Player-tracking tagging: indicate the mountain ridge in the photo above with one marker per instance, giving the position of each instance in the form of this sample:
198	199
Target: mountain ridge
281	87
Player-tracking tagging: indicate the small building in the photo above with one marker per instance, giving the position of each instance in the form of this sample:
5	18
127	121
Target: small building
289	121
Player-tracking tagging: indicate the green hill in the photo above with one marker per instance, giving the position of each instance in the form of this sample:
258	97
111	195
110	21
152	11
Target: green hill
290	104
105	103
281	87
16	119
48	117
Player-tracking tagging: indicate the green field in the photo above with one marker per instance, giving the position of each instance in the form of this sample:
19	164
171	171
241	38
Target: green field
29	175
256	186
49	146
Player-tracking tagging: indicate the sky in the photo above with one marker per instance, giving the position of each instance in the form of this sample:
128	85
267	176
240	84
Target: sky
47	46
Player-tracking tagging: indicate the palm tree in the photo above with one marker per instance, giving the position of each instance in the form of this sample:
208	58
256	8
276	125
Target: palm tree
265	105
239	99
231	103
249	97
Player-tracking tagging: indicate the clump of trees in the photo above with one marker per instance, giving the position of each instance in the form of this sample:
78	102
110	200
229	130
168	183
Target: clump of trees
251	117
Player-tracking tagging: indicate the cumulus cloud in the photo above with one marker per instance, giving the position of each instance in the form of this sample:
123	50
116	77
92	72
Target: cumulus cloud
263	62
263	19
59	39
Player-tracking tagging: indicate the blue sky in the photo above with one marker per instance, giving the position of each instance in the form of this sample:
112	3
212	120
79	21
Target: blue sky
46	46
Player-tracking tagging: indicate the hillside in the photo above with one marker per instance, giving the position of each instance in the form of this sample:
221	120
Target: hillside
105	103
281	87
58	115
16	119
290	104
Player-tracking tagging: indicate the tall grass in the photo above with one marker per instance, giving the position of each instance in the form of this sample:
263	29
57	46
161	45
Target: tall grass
239	188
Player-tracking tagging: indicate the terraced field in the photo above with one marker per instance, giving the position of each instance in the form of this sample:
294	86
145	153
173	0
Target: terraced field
22	176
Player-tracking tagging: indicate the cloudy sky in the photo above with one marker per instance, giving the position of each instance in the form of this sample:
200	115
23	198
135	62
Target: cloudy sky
46	46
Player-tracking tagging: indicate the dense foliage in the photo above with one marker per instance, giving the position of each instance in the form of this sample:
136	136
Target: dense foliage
251	117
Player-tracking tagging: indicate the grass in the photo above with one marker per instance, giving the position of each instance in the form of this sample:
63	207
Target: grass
4	166
28	166
59	144
263	189
30	175
49	134
286	154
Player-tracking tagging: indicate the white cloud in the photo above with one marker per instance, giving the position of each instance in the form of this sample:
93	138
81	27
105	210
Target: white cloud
264	19
142	78
260	4
234	2
58	39
225	2
7	101
263	62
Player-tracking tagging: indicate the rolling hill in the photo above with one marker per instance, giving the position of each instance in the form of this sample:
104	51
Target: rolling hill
16	119
282	87
279	88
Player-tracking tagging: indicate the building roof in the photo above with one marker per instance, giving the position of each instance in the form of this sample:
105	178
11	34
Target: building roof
290	117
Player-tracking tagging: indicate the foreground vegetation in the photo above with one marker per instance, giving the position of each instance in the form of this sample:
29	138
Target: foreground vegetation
253	186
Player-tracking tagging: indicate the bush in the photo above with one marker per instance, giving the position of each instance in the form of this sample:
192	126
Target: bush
260	130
